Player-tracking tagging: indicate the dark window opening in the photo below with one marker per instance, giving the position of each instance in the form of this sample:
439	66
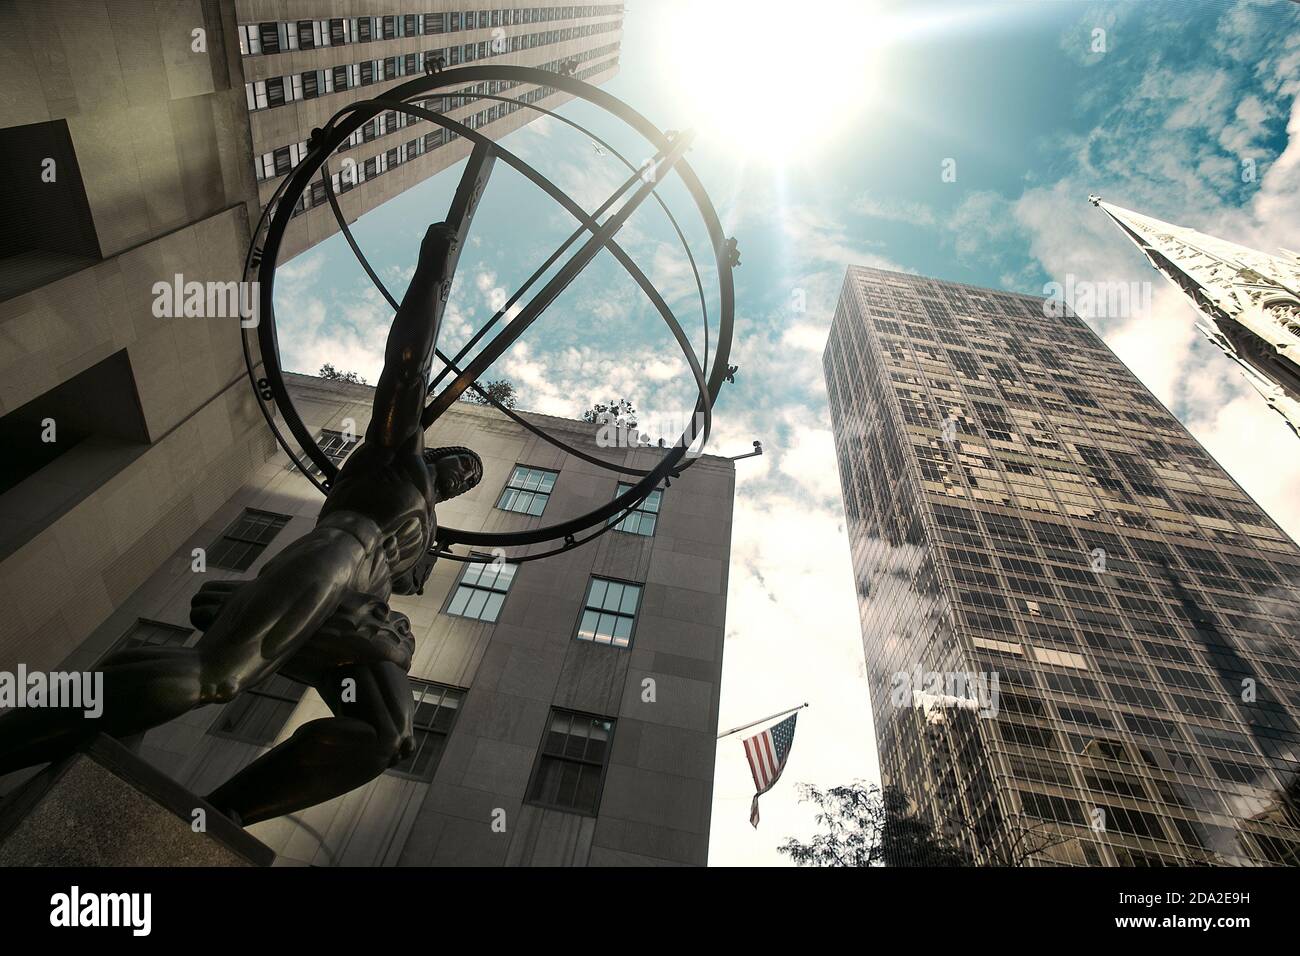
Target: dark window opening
47	231
246	538
270	33
436	707
570	768
61	446
258	714
147	633
275	91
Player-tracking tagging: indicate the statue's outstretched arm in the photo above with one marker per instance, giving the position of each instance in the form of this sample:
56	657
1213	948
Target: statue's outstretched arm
408	357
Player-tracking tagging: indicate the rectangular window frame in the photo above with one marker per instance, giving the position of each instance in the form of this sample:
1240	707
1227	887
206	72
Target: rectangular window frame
276	693
542	756
601	611
172	635
426	728
471	580
637	516
260	542
521	489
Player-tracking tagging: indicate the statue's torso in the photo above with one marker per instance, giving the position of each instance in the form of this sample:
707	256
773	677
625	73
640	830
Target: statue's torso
395	491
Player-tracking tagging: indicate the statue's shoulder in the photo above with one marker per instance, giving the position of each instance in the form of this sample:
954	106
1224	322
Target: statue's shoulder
409	460
373	461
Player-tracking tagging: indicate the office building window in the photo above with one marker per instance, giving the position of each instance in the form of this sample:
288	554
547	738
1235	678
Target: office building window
270	37
275	95
258	714
256	94
571	765
436	707
609	612
641	519
482	590
280	161
245	539
335	445
250	39
147	633
528	490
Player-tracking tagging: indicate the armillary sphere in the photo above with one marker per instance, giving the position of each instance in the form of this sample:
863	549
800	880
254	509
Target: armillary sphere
589	237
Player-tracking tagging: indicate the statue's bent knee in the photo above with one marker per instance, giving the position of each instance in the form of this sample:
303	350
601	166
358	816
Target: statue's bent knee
395	747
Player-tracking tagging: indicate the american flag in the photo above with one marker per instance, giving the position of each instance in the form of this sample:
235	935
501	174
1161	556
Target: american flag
767	753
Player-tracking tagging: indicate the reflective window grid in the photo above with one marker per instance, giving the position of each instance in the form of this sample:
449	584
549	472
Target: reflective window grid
1021	507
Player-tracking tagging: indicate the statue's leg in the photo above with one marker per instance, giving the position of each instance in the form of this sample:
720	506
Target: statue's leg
326	758
142	690
263	623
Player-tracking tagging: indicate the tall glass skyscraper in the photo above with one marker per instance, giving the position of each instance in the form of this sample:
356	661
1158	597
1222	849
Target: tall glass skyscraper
1080	633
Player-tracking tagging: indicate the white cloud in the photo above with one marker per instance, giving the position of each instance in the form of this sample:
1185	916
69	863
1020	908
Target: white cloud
809	461
792	637
1173	149
893	209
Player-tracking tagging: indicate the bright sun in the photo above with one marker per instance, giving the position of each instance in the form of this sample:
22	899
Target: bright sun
775	80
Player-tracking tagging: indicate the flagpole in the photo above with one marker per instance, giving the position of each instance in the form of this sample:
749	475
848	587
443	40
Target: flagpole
779	713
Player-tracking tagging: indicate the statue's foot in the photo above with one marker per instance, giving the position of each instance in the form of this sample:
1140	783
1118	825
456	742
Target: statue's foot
231	815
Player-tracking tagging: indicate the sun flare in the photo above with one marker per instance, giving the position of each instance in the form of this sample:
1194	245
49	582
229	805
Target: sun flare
773	80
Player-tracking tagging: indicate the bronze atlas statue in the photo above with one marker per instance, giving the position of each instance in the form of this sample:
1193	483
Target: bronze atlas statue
318	612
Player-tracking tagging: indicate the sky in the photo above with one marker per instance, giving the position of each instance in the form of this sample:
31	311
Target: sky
957	139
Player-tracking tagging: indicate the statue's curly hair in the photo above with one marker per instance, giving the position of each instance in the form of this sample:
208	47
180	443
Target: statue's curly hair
433	455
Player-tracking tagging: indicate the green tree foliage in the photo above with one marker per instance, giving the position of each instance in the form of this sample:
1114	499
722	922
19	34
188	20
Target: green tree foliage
502	390
329	372
618	412
865	826
910	840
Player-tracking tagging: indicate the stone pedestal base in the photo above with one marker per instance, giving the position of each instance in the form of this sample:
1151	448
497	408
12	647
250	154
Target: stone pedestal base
104	806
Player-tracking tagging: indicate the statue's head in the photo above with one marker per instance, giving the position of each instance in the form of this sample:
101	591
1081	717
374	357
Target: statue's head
455	470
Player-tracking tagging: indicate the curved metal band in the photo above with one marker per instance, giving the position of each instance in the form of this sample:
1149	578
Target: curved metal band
323	486
686	246
524	559
324	145
651	478
591	225
264	403
449	363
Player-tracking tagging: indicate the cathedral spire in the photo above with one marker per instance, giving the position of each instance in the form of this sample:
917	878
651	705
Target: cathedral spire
1249	300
